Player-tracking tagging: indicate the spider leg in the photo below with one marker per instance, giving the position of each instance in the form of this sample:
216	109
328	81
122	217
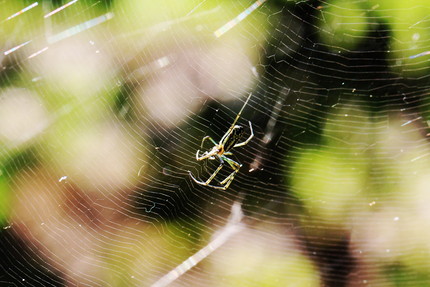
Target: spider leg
248	139
195	180
207	138
204	155
215	172
235	166
206	183
209	185
198	154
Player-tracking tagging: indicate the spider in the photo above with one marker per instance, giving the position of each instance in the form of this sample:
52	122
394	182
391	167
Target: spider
220	151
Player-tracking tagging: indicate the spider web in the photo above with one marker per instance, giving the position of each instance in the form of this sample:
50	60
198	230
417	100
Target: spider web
103	105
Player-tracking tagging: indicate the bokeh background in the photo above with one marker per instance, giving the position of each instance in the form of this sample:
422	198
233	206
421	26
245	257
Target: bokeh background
103	105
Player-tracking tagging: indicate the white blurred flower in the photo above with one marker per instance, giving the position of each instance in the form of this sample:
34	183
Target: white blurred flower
22	115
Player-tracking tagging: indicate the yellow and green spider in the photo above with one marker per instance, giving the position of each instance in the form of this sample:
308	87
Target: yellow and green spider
220	151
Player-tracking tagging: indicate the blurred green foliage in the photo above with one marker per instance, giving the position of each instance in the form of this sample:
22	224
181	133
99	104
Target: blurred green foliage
5	201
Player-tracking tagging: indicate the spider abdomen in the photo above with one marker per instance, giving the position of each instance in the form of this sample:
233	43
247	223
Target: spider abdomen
233	138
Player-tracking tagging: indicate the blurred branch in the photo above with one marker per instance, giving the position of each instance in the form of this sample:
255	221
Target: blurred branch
234	225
